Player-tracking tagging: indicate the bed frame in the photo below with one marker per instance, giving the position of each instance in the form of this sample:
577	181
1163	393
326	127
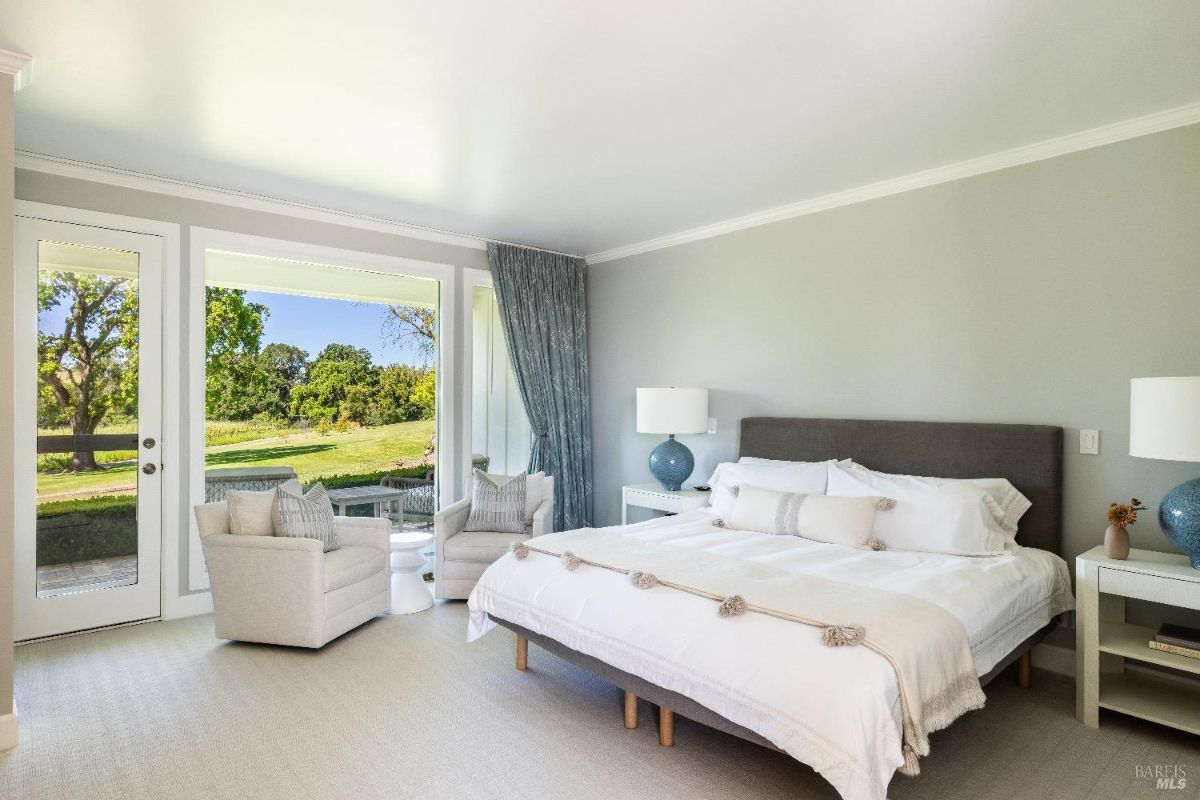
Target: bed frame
1030	456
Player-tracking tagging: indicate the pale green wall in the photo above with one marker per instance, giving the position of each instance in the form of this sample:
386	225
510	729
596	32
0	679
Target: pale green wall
1029	295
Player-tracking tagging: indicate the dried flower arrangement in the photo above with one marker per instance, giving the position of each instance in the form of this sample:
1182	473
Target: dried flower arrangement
1124	514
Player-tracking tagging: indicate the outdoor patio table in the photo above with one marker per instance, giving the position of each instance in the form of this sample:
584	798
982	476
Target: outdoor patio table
374	494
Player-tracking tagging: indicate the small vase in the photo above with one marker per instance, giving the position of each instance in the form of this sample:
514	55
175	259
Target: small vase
1116	543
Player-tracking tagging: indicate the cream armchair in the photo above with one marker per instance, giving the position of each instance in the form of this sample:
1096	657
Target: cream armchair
284	590
460	557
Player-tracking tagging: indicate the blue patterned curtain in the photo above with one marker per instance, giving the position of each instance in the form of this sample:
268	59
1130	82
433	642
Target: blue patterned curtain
543	311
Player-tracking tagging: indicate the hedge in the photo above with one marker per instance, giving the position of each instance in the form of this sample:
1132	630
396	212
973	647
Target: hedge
105	526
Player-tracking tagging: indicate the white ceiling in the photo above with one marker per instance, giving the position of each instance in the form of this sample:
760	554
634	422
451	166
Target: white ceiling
580	126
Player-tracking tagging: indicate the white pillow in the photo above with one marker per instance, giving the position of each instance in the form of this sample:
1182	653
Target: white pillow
837	520
935	516
535	487
257	513
1011	505
799	477
1006	503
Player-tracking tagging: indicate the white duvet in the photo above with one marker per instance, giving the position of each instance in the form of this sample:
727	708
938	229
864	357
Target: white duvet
836	709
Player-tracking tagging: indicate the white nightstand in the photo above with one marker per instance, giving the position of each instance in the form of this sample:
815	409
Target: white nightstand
1104	640
652	495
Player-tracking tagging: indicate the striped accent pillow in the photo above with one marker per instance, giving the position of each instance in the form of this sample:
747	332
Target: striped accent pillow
823	518
307	517
497	503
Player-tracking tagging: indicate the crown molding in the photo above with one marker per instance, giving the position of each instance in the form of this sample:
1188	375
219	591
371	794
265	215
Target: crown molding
1050	148
19	65
129	179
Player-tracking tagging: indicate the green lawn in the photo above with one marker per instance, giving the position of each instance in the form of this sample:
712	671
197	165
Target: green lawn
313	456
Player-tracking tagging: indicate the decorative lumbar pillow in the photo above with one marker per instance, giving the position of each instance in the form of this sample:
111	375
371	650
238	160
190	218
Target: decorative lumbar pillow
534	489
256	513
799	477
498	503
308	516
836	520
934	515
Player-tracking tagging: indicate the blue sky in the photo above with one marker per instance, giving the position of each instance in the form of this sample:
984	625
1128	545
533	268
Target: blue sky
310	323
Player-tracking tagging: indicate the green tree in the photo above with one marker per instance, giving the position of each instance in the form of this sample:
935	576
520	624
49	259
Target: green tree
424	395
233	330
337	369
281	367
412	325
87	368
393	398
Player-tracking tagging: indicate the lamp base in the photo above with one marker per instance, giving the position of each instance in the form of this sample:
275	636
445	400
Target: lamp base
671	463
1179	518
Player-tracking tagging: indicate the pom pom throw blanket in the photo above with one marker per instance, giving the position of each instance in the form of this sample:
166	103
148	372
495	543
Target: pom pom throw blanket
925	645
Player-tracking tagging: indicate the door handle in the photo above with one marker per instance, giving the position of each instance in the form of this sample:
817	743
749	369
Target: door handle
149	469
148	443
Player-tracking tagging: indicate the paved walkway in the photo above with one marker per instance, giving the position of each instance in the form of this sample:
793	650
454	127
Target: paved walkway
99	573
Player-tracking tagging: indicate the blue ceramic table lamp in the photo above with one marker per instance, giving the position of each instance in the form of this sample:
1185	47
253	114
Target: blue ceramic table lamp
1164	423
672	411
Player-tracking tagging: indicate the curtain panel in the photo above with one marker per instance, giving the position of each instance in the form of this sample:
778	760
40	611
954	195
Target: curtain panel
542	299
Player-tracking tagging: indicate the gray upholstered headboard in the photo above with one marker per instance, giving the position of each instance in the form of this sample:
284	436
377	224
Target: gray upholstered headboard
1030	456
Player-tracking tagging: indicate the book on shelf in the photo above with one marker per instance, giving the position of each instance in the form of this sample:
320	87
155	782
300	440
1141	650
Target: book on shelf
1178	635
1186	652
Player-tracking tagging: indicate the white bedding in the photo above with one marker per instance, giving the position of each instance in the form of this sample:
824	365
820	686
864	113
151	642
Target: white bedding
836	709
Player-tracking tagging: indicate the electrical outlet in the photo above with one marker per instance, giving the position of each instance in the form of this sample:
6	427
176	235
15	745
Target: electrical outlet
1089	442
712	425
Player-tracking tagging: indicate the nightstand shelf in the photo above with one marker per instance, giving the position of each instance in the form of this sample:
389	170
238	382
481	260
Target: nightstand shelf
1104	641
1132	641
1161	701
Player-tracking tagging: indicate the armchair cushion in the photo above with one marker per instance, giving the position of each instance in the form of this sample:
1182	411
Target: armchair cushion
479	547
363	532
348	565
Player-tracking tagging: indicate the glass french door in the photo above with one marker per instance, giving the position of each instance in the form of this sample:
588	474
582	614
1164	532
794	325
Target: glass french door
88	387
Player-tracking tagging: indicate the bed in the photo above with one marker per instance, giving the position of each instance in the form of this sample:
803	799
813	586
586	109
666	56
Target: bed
840	710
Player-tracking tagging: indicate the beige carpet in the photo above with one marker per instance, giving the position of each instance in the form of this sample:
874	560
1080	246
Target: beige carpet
404	707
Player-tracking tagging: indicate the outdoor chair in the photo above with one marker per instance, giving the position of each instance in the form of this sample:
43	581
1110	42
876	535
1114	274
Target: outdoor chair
219	481
420	504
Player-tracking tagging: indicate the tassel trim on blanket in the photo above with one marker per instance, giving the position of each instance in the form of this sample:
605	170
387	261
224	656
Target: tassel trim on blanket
940	712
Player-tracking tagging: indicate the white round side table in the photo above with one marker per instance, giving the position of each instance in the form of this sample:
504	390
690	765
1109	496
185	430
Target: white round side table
409	592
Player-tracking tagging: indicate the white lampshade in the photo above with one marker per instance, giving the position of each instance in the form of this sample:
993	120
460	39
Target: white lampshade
1164	418
672	410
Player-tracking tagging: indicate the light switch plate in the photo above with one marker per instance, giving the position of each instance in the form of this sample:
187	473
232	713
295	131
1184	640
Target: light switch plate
1089	442
712	425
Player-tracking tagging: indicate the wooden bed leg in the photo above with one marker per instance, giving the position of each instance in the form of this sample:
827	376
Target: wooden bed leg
1025	670
630	710
522	653
666	727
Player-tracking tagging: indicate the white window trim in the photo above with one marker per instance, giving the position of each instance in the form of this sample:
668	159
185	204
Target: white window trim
203	239
471	279
172	588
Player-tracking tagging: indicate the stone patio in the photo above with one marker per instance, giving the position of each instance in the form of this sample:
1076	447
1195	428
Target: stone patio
79	576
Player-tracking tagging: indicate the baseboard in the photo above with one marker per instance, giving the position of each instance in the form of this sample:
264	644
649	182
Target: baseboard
188	605
8	731
1053	658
